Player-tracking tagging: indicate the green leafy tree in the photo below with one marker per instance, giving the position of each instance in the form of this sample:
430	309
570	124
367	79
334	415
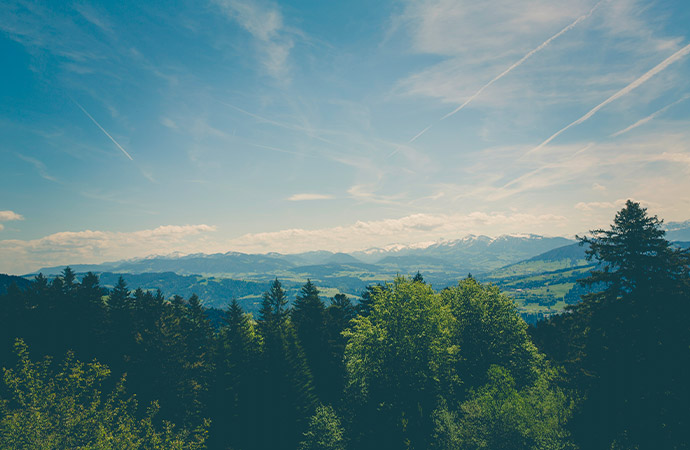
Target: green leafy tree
325	431
488	331
67	409
498	416
397	358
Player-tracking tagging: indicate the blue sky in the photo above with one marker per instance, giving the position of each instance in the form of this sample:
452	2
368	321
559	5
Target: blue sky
137	128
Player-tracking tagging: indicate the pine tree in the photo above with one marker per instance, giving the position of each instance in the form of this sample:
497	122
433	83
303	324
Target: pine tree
633	253
309	319
624	347
273	311
235	412
287	393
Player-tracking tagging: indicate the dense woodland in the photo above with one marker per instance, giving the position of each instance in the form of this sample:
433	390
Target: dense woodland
405	368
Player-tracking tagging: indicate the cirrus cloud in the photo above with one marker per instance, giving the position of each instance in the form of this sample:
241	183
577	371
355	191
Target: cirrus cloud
307	196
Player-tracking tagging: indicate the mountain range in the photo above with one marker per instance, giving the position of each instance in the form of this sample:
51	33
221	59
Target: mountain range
469	254
539	272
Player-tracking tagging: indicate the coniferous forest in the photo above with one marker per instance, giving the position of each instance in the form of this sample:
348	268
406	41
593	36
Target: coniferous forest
406	367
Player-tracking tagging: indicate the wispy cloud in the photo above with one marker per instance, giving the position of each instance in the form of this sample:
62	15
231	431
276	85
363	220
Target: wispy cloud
541	46
265	24
627	89
39	166
306	197
649	117
589	206
105	132
516	64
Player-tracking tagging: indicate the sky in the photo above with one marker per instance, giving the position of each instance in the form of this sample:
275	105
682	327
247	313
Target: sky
136	128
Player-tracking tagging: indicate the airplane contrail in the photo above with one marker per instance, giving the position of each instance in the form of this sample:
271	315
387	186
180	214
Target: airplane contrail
523	59
103	130
419	134
641	80
649	117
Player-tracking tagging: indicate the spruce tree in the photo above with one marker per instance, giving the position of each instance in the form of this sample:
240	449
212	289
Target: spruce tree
625	347
309	319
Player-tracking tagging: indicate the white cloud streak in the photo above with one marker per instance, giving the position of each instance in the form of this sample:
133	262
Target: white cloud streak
541	46
39	166
627	89
103	130
307	197
590	206
649	117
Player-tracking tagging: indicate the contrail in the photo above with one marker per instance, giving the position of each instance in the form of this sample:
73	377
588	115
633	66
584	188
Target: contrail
658	68
649	117
522	60
103	130
420	133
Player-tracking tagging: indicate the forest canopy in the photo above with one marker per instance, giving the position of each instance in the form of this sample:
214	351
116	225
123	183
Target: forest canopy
407	367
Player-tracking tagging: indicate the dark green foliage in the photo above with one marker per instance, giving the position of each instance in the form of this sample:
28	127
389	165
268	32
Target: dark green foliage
274	311
625	348
286	394
488	331
633	253
309	319
366	304
407	368
234	407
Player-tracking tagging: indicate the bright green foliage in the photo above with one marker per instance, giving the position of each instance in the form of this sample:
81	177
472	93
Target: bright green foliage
488	331
500	417
397	358
67	410
325	431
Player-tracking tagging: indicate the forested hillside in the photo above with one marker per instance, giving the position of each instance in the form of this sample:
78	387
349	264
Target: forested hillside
407	367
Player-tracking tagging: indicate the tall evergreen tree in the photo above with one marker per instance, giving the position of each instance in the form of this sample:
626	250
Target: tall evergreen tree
273	311
339	314
309	319
625	346
235	409
287	394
